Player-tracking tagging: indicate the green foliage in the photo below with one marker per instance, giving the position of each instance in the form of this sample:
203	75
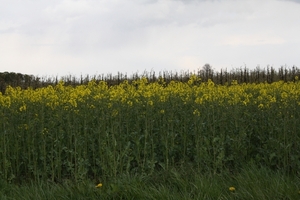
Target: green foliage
96	132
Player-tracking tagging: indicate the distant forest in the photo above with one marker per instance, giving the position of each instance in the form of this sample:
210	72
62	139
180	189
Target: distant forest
241	75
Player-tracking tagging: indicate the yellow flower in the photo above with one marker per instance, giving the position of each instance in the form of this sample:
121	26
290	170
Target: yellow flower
25	126
150	103
231	189
196	112
129	103
284	95
234	82
23	108
99	185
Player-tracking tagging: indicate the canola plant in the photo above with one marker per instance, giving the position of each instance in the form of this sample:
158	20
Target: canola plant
93	130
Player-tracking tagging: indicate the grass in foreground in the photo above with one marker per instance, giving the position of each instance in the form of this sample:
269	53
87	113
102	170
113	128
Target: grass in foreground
250	183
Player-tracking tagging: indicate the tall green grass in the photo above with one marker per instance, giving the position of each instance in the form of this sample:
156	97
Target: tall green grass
180	183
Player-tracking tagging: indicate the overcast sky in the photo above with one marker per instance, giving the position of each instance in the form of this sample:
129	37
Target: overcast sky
63	37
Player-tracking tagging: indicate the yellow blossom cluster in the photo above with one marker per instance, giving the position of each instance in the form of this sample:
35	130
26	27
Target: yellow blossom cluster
141	92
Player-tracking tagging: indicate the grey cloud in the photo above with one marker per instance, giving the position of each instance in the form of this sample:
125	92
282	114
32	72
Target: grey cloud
146	1
125	24
110	25
141	32
195	1
296	1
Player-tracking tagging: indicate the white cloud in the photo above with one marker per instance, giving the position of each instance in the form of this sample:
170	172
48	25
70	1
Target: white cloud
252	40
89	36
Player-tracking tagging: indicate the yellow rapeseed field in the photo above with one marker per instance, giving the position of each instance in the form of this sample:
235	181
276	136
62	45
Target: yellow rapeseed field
60	131
262	95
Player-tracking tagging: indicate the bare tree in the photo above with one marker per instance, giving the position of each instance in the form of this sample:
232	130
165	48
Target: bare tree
207	71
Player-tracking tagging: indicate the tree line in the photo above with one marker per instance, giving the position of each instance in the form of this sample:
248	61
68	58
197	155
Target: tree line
241	75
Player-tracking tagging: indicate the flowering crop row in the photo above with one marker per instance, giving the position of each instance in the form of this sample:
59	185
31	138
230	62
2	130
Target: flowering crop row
94	130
